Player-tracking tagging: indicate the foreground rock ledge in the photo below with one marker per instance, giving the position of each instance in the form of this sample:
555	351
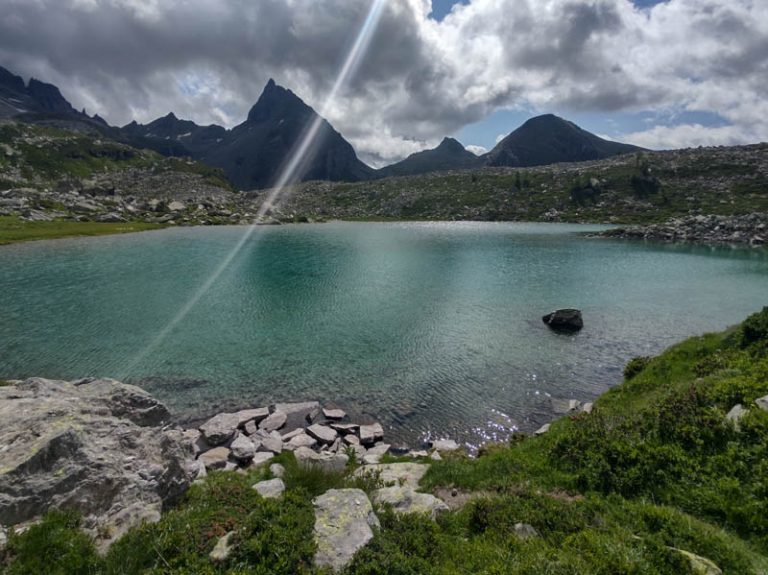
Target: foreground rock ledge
94	445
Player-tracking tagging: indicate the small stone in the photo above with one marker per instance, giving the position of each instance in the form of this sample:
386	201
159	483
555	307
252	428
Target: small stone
220	428
735	414
242	449
420	453
346	428
271	488
301	440
260	458
587	407
277	470
369	434
223	548
215	458
543	429
435	455
274	421
445	445
762	403
250	428
351	439
524	531
335	414
322	433
3	538
256	415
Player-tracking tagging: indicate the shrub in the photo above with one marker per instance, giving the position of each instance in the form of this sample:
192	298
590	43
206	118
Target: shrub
635	366
755	328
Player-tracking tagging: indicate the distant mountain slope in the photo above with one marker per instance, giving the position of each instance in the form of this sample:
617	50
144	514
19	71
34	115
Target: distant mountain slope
252	153
17	98
549	139
449	155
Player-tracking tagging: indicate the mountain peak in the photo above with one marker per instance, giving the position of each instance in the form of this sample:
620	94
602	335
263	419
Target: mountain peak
277	101
450	145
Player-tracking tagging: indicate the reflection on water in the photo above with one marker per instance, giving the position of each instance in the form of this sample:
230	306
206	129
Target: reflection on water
434	328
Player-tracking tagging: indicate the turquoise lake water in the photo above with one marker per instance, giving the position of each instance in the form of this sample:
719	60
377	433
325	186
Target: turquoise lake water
433	328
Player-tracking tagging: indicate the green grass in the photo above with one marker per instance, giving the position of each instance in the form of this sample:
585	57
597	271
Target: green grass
14	230
654	469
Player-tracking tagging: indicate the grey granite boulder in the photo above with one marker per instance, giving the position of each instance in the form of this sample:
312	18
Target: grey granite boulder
274	422
370	434
242	449
220	428
322	433
735	414
344	522
96	447
300	440
406	474
404	499
330	462
271	488
256	415
215	458
261	458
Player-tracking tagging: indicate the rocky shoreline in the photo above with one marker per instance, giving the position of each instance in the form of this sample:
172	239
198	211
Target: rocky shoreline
751	229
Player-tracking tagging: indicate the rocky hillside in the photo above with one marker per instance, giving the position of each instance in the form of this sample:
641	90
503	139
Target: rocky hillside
664	475
642	187
48	173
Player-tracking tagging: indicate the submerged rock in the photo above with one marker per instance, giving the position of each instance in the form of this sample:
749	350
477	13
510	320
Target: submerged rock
344	519
564	320
96	447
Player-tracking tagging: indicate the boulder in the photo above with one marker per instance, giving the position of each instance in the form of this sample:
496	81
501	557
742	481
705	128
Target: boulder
406	500
346	428
406	474
762	403
379	449
344	519
735	414
176	206
369	434
260	458
445	445
562	406
220	428
242	449
272	442
255	415
564	320
96	447
274	422
277	470
331	462
525	531
215	458
300	440
271	488
296	413
322	433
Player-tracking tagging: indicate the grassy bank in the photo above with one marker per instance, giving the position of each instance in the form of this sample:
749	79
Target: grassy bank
14	230
656	469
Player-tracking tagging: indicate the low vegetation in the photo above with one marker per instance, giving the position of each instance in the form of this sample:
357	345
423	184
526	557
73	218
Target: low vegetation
656	471
15	230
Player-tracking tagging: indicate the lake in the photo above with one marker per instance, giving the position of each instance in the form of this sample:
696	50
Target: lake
433	328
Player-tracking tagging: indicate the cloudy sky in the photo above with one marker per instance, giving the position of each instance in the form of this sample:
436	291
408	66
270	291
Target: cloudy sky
658	74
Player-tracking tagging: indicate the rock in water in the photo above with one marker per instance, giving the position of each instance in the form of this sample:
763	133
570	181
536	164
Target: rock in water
343	522
96	447
565	320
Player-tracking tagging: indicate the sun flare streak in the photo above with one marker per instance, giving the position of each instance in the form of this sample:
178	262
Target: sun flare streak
289	175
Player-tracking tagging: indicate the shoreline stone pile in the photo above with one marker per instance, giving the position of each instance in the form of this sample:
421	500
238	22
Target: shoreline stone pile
317	436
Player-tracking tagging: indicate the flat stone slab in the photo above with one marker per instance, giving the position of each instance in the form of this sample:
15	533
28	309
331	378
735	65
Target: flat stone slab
271	488
322	433
406	474
344	519
255	415
216	458
220	428
543	429
407	500
346	428
335	414
273	442
274	422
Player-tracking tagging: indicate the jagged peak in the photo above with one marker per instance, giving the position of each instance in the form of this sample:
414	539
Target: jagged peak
274	100
451	144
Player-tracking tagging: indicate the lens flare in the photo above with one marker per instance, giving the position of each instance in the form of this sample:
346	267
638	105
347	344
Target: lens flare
289	174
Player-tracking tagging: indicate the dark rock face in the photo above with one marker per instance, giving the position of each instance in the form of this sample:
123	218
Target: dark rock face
550	140
564	320
92	445
449	155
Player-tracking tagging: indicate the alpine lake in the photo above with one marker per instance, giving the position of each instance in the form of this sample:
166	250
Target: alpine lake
434	329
